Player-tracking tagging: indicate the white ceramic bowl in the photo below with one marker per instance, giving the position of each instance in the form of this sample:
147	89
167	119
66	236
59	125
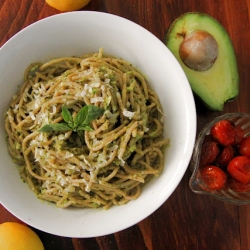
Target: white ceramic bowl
77	33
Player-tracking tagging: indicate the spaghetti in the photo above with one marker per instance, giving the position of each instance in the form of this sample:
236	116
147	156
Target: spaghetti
107	165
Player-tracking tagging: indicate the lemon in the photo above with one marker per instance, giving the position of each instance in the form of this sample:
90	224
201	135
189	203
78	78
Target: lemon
15	236
67	5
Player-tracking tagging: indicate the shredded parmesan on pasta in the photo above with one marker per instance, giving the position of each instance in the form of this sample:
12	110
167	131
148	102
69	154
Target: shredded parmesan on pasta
103	167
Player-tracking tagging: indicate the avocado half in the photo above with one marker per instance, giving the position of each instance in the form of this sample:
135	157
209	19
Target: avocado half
218	81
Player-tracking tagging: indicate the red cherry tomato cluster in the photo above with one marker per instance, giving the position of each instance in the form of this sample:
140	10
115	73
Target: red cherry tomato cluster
225	158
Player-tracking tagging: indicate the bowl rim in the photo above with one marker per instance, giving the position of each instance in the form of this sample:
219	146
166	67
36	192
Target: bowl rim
190	109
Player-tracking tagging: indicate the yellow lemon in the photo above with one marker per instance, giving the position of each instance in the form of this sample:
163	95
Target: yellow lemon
67	5
15	236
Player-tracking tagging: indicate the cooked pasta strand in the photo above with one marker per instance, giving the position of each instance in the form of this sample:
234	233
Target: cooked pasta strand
99	168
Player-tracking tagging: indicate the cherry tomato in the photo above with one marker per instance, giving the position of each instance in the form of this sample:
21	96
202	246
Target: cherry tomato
239	135
224	132
209	151
214	177
225	156
244	147
239	169
238	186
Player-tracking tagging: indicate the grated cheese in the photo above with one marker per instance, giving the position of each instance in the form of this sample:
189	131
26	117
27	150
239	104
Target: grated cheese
96	99
128	114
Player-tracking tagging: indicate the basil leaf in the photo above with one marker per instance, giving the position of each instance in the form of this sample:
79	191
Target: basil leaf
84	127
94	113
67	116
87	114
81	115
82	120
55	127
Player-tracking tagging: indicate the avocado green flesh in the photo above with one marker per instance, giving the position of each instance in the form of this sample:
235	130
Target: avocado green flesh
220	83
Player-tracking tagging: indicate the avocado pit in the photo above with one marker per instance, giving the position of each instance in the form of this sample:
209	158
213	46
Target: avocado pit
198	50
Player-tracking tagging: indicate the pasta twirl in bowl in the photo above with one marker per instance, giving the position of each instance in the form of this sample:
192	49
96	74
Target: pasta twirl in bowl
97	134
110	142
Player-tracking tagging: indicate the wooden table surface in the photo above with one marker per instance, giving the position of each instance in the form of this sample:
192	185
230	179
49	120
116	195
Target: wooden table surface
186	220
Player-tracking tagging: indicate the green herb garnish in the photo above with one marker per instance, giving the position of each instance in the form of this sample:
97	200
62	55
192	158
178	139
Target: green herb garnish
81	122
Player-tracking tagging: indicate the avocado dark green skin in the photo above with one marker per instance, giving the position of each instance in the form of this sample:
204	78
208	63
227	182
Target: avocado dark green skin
220	83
